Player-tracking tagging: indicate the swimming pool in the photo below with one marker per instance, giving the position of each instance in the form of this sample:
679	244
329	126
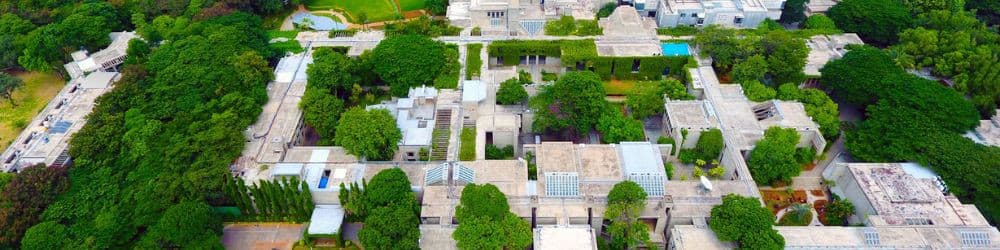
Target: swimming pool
675	49
317	22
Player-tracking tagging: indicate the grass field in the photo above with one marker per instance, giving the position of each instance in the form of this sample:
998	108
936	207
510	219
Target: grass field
377	10
408	5
31	98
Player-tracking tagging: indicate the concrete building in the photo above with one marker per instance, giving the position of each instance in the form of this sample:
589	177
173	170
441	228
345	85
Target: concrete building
814	7
988	132
415	117
747	119
906	237
825	48
104	60
279	125
555	238
627	33
517	17
46	139
727	13
884	194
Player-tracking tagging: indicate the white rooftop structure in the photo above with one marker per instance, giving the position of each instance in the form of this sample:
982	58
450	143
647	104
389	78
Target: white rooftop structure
728	13
572	237
825	48
832	237
326	219
46	139
277	127
642	163
414	115
886	194
102	60
473	91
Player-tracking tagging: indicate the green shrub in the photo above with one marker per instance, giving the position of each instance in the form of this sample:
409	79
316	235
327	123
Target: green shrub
606	10
669	168
448	79
532	167
805	155
476	31
549	76
467	148
566	26
496	153
473	61
708	148
511	92
650	68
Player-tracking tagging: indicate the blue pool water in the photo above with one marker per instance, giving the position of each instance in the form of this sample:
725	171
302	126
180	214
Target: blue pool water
318	22
675	49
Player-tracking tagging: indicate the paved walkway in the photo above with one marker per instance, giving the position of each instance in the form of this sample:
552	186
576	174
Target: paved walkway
261	235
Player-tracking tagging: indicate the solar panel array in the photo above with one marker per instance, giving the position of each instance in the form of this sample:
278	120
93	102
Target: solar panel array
651	183
975	239
437	174
562	184
463	173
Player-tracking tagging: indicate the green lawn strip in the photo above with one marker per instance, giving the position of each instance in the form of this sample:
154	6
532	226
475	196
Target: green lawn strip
449	73
467	149
473	62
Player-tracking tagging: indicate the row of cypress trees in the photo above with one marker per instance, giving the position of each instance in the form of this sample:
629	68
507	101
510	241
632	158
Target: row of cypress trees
285	199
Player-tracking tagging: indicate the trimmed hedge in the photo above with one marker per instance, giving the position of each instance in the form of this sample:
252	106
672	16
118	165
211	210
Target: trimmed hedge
650	68
569	51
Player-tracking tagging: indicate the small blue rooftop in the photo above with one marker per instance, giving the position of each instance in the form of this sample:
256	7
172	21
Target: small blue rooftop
318	22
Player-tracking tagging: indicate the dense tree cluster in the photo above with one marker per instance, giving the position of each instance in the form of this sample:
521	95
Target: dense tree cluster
774	56
876	21
626	201
647	99
574	103
162	137
773	158
485	220
913	119
744	221
389	209
957	46
819	106
38	35
287	199
24	198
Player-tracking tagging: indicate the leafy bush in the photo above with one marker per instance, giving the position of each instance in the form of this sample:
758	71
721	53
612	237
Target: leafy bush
819	21
496	153
756	91
805	155
717	172
566	26
511	92
448	79
615	128
606	10
549	76
708	148
669	168
422	26
467	148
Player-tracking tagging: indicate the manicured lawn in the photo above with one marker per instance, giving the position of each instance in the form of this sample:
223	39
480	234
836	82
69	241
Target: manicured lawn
473	62
408	5
377	10
467	148
291	45
31	98
623	87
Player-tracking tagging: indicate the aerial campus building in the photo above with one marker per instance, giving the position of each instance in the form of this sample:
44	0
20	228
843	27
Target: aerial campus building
528	17
45	140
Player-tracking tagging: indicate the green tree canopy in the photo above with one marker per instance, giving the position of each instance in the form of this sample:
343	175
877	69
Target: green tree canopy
616	127
626	201
786	56
745	221
44	236
485	220
773	159
330	71
408	61
371	134
819	22
794	11
751	69
391	227
511	92
575	102
184	226
321	111
861	75
877	21
8	84
25	197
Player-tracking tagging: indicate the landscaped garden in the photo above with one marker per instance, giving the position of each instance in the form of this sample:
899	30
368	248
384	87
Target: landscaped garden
29	99
374	10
